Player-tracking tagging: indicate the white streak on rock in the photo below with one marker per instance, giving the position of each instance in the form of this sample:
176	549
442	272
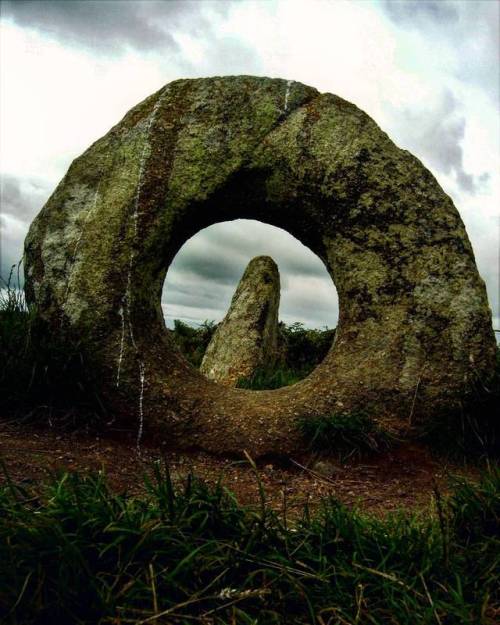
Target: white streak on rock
128	290
135	214
79	240
87	217
122	344
142	377
287	93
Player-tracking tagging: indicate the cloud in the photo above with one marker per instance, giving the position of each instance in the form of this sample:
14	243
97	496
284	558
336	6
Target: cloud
435	131
203	276
219	270
20	200
242	238
111	26
422	11
12	231
483	227
185	34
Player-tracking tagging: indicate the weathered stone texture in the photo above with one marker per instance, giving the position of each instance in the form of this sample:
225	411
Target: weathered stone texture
247	338
414	329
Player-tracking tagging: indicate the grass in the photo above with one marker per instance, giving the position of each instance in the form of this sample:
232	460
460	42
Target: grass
472	430
41	378
347	434
74	552
193	342
269	379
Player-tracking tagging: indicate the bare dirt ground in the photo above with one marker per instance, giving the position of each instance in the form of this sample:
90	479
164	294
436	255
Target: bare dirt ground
404	478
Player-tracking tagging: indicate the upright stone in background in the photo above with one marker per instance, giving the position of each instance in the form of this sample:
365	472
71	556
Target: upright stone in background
247	337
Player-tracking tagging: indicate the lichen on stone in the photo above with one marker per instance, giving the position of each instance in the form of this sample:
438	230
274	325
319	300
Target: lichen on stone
414	323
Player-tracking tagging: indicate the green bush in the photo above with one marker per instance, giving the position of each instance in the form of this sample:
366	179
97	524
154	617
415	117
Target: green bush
269	379
304	349
348	434
75	552
193	342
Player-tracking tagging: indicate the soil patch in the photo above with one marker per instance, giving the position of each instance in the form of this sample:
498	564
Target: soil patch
404	478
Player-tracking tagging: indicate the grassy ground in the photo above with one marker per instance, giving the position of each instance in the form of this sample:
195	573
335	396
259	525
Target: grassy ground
75	552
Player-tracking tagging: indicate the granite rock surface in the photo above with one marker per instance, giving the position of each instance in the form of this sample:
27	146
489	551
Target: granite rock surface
414	331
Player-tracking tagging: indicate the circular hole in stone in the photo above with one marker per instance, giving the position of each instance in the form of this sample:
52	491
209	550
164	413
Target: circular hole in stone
203	277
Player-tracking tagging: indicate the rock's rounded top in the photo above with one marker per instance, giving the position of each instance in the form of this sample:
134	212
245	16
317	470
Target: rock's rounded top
261	270
247	337
262	263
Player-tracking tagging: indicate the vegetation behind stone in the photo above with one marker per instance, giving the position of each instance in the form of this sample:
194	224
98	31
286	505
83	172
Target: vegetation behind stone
301	349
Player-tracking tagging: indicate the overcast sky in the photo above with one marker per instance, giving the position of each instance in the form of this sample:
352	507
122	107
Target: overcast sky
427	72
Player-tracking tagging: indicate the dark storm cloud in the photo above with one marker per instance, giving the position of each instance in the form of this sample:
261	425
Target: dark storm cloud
221	269
112	25
222	264
437	136
245	238
404	11
115	26
20	201
206	293
471	30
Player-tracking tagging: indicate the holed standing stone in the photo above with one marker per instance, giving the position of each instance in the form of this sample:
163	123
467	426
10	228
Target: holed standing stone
414	332
247	338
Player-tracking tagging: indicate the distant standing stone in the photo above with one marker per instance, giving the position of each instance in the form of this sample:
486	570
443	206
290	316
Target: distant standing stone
247	337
